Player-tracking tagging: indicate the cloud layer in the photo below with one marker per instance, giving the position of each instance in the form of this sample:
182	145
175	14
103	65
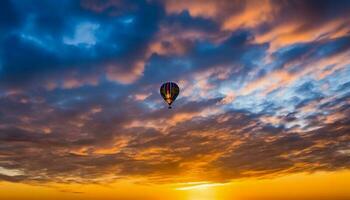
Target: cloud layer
264	89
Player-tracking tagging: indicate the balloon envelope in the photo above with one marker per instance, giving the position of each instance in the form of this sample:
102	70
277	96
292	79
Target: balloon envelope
169	92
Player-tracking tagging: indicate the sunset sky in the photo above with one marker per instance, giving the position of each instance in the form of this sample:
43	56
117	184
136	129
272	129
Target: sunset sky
263	111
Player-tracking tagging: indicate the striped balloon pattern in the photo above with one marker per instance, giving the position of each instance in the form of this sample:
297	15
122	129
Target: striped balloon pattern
169	92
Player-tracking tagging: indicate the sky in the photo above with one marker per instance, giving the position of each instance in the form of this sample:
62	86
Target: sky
263	110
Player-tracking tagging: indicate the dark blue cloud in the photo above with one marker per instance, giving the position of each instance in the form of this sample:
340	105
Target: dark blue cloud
55	38
185	21
8	16
23	59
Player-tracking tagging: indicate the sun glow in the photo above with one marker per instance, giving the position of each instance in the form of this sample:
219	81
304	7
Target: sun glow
199	185
201	190
320	185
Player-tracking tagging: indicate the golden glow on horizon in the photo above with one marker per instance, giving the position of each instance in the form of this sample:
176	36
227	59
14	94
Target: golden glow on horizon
199	185
320	185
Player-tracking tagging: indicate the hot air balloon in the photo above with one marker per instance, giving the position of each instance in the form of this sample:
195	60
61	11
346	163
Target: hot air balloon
169	92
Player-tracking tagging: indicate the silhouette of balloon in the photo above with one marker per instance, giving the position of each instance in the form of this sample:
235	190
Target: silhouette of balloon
169	92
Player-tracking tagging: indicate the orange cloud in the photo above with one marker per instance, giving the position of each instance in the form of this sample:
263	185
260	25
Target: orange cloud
292	32
118	74
114	148
141	96
253	14
162	124
205	8
177	40
331	118
172	40
70	83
